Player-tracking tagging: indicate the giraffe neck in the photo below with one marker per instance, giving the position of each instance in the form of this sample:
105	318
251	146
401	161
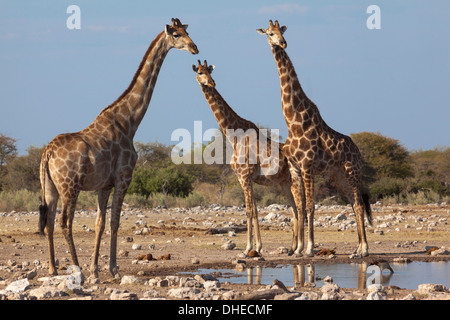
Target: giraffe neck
225	115
293	98
126	113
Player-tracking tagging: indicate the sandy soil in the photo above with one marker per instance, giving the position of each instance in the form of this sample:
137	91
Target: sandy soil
183	233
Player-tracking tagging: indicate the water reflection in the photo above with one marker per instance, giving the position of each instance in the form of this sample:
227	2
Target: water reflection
304	274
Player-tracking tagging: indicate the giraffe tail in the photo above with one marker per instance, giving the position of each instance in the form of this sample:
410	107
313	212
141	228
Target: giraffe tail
367	207
43	207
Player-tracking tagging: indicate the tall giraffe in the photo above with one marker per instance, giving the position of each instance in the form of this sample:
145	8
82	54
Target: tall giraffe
312	147
248	171
102	156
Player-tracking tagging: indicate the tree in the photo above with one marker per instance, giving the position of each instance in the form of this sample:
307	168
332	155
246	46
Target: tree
8	151
383	156
170	180
23	171
154	154
432	169
386	163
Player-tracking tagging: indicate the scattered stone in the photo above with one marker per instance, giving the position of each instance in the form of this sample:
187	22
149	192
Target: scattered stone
309	295
117	295
18	286
440	251
131	280
165	257
229	245
145	257
253	254
325	252
330	292
409	297
287	296
376	292
430	249
183	293
136	246
401	260
430	287
46	292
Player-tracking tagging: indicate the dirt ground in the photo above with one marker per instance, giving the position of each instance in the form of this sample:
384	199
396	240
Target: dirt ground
183	234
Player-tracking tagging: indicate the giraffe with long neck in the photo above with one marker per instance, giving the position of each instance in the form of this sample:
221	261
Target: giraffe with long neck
313	148
249	172
102	156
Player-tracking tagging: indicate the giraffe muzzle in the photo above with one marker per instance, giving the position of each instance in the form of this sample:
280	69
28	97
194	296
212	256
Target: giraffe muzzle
193	49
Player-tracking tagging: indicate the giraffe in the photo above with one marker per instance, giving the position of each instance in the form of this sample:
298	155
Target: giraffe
248	172
102	156
313	148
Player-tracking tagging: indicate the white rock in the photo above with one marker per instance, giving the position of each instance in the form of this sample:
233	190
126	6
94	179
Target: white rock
130	280
308	296
430	287
123	296
18	286
44	292
183	292
136	246
211	285
377	295
229	245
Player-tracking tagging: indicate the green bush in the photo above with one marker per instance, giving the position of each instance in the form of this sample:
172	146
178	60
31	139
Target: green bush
168	181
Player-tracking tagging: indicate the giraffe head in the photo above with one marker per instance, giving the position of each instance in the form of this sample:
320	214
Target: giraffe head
274	34
178	38
204	74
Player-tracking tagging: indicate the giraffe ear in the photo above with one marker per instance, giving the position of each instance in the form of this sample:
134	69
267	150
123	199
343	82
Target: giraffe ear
211	68
185	26
261	31
167	29
194	67
283	29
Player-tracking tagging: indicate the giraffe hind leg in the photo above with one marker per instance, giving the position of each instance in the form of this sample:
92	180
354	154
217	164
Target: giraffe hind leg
66	220
349	184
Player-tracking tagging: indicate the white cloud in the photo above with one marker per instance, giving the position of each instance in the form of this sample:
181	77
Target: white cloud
283	8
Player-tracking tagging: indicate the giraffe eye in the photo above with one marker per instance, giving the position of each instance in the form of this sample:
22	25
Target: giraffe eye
271	34
200	73
176	35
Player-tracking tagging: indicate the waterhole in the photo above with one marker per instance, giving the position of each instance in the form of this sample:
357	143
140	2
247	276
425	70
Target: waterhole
353	275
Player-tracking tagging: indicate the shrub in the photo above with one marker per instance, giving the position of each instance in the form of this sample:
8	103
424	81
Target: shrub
168	181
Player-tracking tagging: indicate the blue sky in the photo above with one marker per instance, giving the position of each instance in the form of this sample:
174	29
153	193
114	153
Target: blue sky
395	80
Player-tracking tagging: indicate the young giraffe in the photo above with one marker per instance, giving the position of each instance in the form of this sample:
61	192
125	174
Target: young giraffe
312	147
102	156
246	171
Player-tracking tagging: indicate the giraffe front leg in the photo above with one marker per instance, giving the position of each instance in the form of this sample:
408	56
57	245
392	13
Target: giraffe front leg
308	182
252	218
103	196
298	194
116	208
